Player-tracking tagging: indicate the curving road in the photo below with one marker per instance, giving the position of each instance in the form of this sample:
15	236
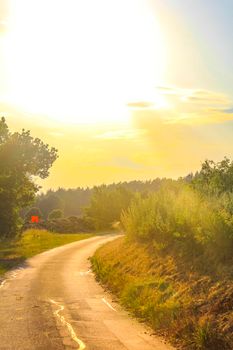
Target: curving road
54	303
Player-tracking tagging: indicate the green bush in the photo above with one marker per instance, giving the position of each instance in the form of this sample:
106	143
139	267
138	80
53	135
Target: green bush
55	214
182	216
69	225
106	205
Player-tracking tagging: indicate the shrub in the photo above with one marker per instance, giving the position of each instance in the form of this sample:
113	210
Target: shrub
68	225
55	214
183	217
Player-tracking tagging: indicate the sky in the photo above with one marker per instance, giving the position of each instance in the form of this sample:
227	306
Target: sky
127	89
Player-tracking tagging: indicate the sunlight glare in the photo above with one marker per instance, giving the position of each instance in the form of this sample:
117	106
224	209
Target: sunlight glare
82	60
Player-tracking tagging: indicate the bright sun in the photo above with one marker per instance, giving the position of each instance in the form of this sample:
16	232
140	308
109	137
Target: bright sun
82	60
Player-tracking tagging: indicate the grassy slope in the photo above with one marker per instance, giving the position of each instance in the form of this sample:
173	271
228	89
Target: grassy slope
31	243
179	299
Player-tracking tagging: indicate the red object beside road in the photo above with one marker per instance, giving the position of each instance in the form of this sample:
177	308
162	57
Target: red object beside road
35	219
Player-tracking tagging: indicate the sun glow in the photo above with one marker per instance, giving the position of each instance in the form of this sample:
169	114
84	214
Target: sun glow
83	61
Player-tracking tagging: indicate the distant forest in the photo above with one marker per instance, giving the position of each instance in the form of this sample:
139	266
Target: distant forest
72	202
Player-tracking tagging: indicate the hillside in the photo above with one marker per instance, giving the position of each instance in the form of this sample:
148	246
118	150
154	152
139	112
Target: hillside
181	298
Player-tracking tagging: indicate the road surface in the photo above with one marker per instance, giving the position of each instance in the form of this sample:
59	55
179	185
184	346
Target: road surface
54	302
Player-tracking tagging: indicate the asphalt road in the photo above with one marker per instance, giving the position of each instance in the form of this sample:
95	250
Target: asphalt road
54	302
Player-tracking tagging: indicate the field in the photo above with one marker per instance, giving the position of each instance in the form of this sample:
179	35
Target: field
33	242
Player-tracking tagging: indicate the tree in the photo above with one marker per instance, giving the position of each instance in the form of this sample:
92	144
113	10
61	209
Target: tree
22	159
107	204
55	214
215	178
50	202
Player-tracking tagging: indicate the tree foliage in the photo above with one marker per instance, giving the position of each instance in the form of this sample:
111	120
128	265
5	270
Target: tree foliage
55	214
194	213
73	200
214	178
106	205
48	203
22	158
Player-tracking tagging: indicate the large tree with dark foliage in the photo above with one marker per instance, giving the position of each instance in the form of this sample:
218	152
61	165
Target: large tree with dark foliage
22	158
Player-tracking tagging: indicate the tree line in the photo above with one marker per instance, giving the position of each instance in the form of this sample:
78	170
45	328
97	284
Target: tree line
97	208
197	208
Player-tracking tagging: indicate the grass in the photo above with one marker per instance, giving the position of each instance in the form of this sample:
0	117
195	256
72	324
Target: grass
33	242
127	274
190	307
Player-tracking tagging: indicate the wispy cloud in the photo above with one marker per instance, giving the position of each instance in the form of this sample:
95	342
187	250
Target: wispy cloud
228	110
195	95
121	134
124	162
207	97
176	144
188	106
140	104
56	134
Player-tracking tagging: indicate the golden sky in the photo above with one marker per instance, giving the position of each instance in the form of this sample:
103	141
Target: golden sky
124	89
